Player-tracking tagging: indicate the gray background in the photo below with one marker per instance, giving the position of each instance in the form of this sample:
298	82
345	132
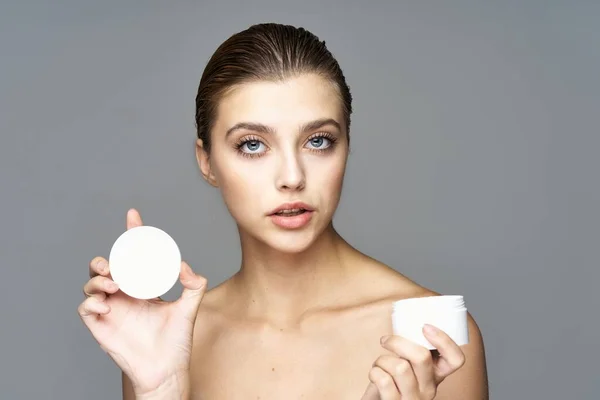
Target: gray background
473	171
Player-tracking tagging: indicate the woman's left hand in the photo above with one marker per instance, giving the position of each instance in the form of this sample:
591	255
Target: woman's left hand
413	373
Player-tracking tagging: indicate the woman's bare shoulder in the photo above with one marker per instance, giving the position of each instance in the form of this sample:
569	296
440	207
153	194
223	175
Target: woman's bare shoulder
380	281
471	379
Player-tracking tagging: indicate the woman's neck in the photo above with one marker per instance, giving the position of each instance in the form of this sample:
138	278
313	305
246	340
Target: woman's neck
282	287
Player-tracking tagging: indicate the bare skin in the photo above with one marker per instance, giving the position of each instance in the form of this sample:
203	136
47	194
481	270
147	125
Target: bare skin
305	316
324	353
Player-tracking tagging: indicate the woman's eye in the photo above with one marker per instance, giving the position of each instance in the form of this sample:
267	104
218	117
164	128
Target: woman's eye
252	146
319	142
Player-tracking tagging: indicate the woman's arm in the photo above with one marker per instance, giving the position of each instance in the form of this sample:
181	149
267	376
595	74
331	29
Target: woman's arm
176	388
470	382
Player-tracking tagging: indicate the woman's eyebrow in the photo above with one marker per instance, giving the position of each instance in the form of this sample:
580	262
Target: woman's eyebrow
319	123
251	126
261	128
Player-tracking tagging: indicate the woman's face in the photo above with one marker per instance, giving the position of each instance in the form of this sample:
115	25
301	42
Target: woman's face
275	144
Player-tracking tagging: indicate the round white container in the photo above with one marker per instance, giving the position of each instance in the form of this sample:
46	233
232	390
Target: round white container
447	313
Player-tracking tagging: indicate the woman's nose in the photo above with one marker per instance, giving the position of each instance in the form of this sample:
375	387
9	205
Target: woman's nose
290	176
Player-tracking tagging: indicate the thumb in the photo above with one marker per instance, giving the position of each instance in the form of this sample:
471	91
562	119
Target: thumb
194	287
133	218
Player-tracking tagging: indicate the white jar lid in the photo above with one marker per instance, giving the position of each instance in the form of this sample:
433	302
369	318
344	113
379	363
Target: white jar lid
145	262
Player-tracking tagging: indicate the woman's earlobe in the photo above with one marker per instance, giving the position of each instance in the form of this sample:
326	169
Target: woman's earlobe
203	159
211	179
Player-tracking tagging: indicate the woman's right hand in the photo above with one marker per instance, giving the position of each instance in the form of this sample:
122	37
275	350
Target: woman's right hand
150	340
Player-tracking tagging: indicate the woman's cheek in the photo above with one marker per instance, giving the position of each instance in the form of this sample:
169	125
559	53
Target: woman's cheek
330	178
242	192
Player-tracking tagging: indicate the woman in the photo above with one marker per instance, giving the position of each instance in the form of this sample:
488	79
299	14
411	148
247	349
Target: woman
307	315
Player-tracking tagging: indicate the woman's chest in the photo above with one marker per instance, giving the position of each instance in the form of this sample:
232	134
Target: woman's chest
271	365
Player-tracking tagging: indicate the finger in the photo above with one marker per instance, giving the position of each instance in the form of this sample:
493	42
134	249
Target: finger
451	355
385	384
372	393
99	266
420	360
402	373
194	287
92	307
99	286
134	218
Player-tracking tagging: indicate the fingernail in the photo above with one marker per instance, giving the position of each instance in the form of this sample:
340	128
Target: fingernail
384	339
103	266
112	285
430	329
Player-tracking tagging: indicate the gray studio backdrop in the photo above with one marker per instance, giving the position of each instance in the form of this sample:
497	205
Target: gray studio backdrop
474	167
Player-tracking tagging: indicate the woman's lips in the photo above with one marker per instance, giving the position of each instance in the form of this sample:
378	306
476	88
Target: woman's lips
297	205
293	221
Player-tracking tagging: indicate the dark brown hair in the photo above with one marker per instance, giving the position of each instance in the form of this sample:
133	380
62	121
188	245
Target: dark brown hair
264	52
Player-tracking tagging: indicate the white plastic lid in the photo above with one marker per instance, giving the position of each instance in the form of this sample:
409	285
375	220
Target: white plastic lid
145	262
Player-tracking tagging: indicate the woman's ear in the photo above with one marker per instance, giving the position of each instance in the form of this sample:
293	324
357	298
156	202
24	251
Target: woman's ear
203	159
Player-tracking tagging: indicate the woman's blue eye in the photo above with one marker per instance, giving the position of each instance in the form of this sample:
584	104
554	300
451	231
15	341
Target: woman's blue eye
319	142
252	146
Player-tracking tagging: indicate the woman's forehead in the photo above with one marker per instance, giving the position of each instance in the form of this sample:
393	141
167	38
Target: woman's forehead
291	102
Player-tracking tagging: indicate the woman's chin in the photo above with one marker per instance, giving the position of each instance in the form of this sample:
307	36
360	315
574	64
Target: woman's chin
291	243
